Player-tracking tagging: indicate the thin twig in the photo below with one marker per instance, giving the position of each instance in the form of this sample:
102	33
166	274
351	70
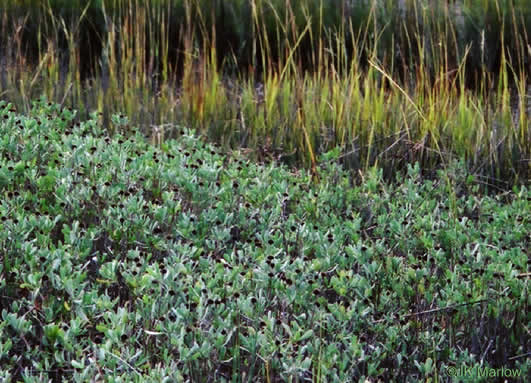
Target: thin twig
123	361
432	311
444	308
519	356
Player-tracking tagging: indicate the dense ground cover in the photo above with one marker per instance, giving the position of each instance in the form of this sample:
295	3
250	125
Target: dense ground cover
180	262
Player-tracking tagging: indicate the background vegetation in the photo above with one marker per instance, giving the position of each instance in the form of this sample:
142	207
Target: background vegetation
389	82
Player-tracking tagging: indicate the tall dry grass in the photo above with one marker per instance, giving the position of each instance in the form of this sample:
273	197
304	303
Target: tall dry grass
389	84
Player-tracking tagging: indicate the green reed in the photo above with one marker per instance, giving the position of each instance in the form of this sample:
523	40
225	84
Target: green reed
388	84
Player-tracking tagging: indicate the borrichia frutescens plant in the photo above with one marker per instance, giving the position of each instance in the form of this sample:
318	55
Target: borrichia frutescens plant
182	262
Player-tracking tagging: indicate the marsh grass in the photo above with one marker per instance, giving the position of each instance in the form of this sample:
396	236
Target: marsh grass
389	84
